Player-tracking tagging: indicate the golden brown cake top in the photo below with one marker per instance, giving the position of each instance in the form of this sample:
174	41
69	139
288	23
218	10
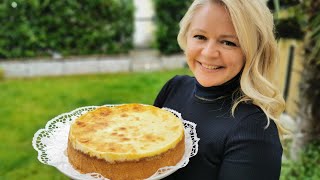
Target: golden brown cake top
126	132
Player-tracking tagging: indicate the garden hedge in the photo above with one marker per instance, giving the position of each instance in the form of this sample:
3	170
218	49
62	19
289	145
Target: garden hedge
32	28
168	15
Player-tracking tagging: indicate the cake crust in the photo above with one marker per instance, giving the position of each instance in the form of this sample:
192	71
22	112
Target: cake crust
127	170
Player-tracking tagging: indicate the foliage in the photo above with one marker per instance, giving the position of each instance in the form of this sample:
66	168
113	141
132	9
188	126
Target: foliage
283	3
310	76
27	105
41	27
168	15
307	167
313	30
288	27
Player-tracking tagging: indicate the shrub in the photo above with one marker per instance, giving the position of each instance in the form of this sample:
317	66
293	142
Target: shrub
283	3
168	15
289	28
307	167
39	27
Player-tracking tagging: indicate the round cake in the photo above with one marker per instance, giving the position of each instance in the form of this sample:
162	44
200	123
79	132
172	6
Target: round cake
130	141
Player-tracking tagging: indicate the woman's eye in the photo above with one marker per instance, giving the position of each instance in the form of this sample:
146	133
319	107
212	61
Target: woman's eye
228	43
200	37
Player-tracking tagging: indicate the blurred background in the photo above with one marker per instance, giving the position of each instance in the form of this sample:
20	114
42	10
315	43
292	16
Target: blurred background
56	56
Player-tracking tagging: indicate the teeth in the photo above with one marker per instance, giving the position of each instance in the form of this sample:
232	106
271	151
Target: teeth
210	67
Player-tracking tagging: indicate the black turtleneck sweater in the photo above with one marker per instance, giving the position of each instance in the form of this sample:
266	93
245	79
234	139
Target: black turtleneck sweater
230	148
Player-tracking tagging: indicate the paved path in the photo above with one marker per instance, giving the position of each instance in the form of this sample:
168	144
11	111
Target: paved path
141	60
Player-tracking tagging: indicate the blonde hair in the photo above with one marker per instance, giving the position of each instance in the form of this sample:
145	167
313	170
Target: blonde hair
253	23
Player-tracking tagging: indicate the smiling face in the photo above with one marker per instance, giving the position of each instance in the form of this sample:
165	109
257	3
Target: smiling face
213	51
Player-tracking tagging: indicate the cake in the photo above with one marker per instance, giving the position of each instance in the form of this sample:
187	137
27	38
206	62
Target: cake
130	141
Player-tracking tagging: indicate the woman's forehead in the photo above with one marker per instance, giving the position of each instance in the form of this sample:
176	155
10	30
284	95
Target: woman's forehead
212	18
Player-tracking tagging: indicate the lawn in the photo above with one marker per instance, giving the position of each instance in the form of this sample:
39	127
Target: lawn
27	104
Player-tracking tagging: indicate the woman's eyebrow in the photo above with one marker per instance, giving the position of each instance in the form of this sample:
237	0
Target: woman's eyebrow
198	30
229	36
221	36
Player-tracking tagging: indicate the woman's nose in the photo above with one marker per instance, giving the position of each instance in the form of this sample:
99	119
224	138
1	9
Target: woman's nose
210	50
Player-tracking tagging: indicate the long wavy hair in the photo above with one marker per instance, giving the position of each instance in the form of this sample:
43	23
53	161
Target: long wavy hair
253	23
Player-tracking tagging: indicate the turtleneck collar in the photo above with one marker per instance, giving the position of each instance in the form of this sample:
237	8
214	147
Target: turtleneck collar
214	93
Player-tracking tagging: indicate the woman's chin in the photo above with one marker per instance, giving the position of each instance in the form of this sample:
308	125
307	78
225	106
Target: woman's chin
207	80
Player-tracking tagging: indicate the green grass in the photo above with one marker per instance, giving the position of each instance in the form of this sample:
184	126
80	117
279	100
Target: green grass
27	105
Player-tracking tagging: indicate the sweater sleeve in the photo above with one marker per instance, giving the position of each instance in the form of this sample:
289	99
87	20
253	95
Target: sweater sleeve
252	151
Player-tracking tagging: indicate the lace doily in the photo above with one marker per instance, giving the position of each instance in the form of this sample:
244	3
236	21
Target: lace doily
51	144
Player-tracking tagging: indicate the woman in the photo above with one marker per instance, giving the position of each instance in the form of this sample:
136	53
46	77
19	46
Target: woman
231	50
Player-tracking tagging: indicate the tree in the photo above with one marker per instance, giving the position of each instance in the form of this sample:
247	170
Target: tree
308	121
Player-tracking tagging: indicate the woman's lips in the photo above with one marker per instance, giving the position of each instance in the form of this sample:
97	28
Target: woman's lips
210	67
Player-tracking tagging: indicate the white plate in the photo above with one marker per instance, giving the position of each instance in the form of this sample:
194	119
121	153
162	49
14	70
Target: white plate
51	143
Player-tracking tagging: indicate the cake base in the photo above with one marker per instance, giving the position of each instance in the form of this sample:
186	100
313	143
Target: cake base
126	170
